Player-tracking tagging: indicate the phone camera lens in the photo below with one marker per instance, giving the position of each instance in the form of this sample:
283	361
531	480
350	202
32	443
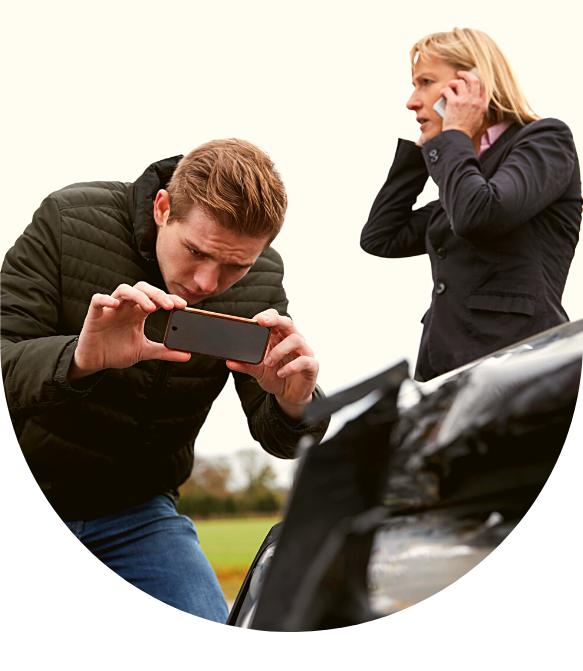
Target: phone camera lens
175	328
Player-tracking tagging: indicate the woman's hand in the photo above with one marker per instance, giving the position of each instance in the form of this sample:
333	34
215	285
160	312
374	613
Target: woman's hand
466	106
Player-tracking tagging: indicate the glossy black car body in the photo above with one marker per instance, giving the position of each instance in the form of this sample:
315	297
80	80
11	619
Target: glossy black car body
417	489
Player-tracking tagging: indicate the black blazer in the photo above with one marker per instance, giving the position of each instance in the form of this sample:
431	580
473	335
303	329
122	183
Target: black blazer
500	238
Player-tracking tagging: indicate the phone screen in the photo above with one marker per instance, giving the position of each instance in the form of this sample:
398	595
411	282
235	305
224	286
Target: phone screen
219	337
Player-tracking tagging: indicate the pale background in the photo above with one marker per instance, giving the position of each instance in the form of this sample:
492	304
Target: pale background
99	91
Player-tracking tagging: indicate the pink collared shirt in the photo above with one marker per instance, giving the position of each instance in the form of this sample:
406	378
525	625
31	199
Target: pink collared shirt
492	134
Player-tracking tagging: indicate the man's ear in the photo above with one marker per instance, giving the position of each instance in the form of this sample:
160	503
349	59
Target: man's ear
162	207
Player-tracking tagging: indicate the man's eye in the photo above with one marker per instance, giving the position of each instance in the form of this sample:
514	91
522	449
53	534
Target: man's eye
194	252
427	81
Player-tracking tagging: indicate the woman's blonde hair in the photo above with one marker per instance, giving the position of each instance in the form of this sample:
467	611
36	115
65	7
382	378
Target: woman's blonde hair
467	48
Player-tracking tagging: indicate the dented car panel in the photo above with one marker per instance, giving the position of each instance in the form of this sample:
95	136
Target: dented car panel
417	489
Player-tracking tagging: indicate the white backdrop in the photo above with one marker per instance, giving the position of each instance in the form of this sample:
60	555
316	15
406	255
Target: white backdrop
99	91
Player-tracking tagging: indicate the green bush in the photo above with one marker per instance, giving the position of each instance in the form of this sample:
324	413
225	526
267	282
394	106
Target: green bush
267	503
202	504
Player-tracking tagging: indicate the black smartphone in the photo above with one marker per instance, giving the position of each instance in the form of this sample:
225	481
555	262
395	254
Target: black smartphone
217	335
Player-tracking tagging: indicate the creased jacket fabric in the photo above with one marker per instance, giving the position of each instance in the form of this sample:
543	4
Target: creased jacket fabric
118	437
500	238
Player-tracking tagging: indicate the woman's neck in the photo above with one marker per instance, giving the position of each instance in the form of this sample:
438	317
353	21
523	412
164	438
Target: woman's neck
477	139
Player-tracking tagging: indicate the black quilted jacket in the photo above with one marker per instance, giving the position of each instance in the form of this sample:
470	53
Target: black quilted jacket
121	436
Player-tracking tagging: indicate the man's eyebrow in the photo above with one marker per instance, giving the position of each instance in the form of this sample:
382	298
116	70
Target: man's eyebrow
196	249
241	265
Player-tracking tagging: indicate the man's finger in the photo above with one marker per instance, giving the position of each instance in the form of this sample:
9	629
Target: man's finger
104	301
272	319
156	350
271	312
161	298
303	364
293	343
98	302
240	367
127	293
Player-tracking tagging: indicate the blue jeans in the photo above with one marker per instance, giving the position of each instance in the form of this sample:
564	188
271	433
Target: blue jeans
157	550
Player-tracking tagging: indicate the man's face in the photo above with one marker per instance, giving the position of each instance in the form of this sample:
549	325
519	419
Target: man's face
198	257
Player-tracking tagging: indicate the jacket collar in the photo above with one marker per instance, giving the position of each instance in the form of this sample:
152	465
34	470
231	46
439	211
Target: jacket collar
145	188
491	158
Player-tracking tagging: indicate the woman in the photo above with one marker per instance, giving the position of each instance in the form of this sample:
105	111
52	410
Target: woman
502	235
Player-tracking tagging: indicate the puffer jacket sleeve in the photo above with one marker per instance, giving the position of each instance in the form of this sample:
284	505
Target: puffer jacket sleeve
35	360
267	423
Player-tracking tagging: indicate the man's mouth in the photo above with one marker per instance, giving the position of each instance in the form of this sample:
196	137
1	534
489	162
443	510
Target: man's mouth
192	296
422	121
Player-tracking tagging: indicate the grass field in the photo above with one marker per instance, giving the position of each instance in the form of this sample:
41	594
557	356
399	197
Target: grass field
231	546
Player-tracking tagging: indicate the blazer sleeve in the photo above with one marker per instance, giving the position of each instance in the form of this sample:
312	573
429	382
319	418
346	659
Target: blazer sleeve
536	172
35	357
394	228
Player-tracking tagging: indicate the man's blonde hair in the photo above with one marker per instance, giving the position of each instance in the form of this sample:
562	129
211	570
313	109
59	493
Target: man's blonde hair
235	182
467	48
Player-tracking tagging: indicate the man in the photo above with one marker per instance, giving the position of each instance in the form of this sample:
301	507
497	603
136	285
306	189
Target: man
105	414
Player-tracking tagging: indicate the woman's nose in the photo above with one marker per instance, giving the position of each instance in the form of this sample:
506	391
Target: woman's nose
414	103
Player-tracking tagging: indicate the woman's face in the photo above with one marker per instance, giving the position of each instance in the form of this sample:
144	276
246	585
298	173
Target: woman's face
429	77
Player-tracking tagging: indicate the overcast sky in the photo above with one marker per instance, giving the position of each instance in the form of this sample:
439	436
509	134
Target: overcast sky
99	91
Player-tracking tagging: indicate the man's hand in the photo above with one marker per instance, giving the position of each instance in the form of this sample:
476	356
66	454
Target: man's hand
466	106
289	370
113	332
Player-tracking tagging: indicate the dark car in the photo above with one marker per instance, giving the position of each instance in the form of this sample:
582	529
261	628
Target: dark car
417	489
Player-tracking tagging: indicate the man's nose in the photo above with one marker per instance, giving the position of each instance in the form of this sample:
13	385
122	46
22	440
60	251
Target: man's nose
207	279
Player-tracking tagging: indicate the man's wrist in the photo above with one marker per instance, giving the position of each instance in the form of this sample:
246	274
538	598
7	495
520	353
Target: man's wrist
76	373
293	411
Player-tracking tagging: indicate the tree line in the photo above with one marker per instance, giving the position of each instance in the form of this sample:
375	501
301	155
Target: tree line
211	491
